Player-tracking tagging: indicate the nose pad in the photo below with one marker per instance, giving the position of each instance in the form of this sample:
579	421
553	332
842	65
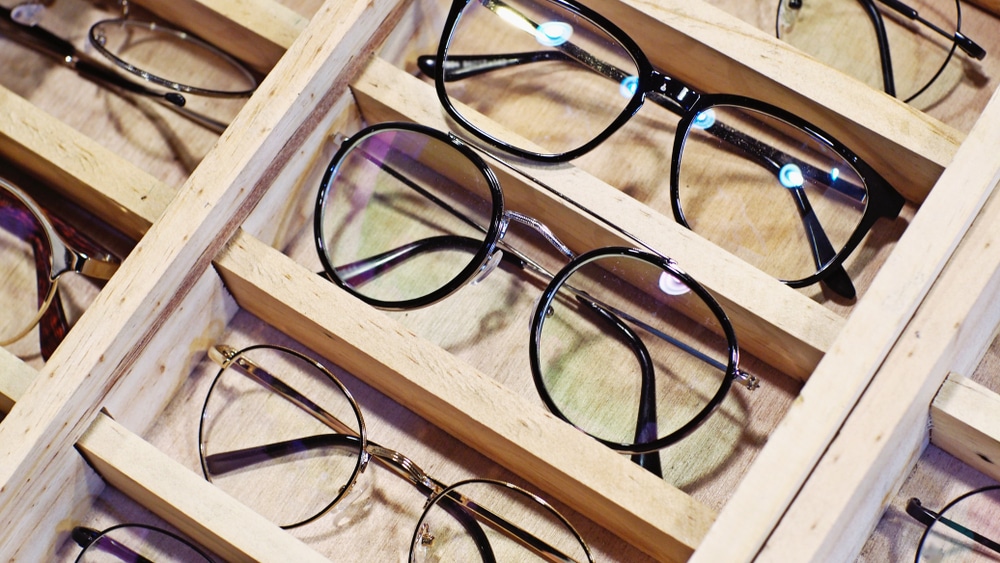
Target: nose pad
489	266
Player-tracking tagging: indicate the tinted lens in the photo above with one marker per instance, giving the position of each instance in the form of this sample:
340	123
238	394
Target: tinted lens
628	352
280	435
841	33
134	543
491	521
25	267
768	192
169	56
404	216
548	75
968	530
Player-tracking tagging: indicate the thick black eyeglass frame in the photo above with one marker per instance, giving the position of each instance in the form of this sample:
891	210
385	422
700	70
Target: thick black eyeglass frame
958	39
928	518
644	454
682	100
85	538
466	511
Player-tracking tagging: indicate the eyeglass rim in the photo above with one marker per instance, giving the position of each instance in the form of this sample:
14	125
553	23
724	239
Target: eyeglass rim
883	200
888	80
644	68
467	274
953	502
230	355
149	527
165	82
538	318
433	501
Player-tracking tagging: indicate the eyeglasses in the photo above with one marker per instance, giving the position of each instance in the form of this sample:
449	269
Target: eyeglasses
550	80
34	255
857	37
406	215
966	529
283	435
135	543
169	58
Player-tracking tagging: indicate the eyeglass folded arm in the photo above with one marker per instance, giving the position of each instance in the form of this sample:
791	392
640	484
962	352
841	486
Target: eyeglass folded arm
84	537
928	517
964	43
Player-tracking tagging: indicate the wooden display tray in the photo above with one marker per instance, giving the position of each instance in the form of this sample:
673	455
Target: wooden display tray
807	465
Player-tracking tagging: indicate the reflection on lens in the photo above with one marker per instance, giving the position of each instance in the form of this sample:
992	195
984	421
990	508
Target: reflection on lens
968	530
403	217
551	98
768	192
25	267
628	351
482	520
130	543
842	34
280	435
171	58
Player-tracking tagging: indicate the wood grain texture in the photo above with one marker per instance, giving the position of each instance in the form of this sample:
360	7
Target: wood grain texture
832	392
606	487
964	423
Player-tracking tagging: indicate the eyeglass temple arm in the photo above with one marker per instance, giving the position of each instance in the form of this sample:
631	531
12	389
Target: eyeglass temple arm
744	378
646	426
964	43
84	537
928	517
39	39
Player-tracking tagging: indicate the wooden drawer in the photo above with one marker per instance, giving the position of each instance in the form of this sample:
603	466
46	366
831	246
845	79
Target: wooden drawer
224	254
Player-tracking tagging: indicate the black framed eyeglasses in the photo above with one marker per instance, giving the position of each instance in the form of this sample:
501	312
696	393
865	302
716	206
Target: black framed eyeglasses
282	434
549	80
966	529
155	60
34	255
135	543
903	47
623	344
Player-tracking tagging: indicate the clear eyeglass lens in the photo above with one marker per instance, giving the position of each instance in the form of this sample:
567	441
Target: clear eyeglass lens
841	34
24	258
571	82
139	543
171	55
405	215
628	353
767	191
269	450
490	521
950	537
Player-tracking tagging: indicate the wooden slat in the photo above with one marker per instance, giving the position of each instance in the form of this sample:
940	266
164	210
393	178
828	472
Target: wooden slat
257	32
839	505
15	376
773	322
36	438
964	423
560	460
125	196
834	388
197	508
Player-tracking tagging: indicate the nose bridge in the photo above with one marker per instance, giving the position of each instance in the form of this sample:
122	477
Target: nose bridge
542	229
662	85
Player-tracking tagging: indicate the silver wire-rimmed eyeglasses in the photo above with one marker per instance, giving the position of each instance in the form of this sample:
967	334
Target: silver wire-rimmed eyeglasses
156	61
623	344
35	252
282	434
